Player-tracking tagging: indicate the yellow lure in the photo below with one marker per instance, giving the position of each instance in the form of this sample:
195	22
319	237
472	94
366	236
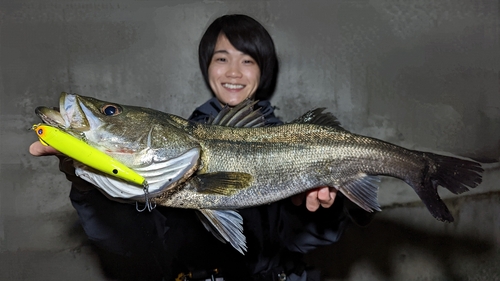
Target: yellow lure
86	154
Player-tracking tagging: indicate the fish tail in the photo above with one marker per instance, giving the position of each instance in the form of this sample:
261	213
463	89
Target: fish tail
454	174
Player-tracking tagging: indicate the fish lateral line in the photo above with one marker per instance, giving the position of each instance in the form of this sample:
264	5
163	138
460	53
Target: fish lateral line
84	153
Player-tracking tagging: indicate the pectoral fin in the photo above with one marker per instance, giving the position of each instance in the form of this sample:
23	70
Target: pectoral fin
362	191
225	225
223	183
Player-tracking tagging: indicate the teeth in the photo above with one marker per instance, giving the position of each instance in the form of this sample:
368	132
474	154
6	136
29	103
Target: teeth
232	86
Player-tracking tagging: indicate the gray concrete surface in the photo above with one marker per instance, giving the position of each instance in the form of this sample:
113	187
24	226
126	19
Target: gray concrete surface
423	74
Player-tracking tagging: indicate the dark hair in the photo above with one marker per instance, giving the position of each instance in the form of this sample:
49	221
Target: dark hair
248	36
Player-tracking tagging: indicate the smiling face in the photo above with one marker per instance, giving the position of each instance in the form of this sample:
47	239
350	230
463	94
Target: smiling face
233	75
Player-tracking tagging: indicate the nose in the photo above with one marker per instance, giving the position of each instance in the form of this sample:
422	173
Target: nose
234	71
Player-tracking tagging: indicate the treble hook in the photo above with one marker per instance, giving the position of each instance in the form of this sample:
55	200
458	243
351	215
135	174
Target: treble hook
147	203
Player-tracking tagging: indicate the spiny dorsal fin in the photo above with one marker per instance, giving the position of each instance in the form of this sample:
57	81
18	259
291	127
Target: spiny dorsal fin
224	183
317	117
241	116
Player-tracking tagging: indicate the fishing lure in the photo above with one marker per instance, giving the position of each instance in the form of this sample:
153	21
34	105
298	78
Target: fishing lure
86	154
92	157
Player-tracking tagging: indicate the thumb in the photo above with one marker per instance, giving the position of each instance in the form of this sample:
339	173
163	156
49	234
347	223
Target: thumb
38	149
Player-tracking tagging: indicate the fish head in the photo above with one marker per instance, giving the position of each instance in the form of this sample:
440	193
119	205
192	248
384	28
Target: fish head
154	144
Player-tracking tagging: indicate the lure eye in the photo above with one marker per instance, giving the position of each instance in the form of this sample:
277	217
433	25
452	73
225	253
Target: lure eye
111	110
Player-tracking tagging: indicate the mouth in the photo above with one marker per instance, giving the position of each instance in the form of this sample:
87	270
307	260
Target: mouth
233	86
55	116
51	116
70	115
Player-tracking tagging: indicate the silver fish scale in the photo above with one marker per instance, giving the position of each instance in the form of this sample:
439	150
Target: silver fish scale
288	160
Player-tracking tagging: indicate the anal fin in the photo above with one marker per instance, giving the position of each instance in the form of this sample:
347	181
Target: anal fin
362	190
226	226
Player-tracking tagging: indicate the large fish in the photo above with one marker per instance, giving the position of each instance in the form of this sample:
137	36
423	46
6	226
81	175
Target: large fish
235	162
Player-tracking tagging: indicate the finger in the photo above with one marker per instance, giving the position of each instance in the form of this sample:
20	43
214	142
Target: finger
324	194
312	202
38	149
333	193
324	197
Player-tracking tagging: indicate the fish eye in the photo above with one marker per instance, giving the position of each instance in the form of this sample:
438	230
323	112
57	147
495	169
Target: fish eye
111	110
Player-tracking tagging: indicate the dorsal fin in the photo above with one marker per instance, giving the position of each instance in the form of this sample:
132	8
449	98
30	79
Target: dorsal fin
317	117
241	116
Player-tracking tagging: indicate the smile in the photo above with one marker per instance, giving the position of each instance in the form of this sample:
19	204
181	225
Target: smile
232	86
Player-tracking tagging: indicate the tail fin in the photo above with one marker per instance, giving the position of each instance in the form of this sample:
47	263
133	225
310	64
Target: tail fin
454	174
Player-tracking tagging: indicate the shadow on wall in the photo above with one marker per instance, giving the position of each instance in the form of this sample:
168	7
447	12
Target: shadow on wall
392	249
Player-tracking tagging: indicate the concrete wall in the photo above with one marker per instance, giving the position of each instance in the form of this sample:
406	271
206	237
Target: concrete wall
423	74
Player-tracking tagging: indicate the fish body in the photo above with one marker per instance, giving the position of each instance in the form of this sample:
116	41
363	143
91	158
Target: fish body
293	158
234	162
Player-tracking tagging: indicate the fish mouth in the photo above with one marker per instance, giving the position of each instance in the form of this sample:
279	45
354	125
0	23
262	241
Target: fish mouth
71	114
50	116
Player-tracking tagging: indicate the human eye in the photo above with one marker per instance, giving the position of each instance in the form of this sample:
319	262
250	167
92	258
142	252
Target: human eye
248	61
219	56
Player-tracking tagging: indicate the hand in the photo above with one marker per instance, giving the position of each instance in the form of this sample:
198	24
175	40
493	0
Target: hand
321	196
38	149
